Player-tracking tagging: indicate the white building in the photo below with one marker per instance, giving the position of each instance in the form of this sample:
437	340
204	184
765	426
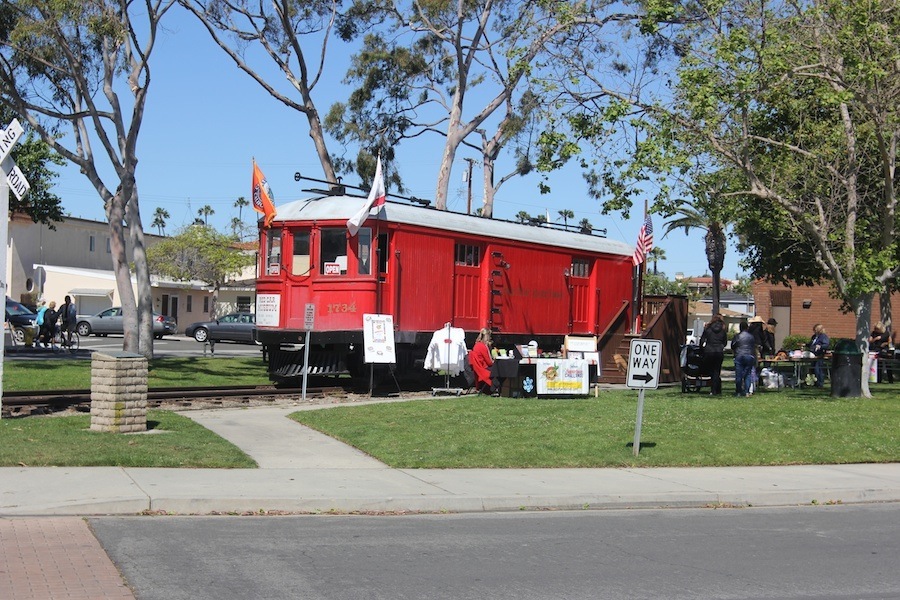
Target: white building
75	259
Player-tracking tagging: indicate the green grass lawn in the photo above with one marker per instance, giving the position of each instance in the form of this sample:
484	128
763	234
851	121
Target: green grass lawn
804	426
71	374
771	428
67	441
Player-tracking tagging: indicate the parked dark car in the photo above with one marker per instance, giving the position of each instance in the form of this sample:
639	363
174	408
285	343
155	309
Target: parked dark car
20	318
236	327
110	321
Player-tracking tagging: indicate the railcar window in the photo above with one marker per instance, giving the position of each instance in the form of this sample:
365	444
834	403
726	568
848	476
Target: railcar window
273	252
364	251
300	265
581	267
468	255
382	253
333	251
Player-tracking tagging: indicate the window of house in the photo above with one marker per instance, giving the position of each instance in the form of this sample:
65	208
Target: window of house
273	252
468	255
333	251
364	251
108	249
189	303
206	304
243	303
301	262
581	267
91	243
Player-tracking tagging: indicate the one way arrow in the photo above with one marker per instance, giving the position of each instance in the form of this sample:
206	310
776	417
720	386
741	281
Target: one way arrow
645	377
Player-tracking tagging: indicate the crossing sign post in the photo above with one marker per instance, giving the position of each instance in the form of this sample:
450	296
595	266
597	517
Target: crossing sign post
11	178
643	373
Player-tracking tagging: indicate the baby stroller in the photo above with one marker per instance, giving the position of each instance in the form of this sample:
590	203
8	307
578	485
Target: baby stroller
693	374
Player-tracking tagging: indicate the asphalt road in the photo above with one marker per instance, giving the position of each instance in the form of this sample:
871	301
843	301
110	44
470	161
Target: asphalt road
175	345
811	552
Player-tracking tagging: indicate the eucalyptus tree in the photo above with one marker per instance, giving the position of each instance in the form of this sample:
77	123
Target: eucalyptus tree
800	101
292	36
474	73
79	74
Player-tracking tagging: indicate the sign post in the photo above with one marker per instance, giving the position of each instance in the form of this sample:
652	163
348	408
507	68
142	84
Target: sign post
14	180
309	323
643	373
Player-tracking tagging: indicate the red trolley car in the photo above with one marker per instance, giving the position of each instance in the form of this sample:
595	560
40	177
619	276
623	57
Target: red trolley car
425	268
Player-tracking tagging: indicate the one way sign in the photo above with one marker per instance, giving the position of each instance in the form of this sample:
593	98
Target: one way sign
643	364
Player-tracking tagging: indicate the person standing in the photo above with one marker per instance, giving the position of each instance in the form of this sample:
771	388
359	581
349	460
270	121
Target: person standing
880	342
818	345
713	342
769	348
757	329
744	347
68	315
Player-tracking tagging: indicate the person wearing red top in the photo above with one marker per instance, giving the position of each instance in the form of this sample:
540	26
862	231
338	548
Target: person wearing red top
481	361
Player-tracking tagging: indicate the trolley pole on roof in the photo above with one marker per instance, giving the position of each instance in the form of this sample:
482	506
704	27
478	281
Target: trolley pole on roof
471	162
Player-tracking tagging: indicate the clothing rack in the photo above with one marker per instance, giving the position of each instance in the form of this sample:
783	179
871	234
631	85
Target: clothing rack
447	389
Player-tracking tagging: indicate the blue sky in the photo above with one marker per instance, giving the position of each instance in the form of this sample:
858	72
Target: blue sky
205	121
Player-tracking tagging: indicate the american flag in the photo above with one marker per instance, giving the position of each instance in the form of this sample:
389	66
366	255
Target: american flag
644	242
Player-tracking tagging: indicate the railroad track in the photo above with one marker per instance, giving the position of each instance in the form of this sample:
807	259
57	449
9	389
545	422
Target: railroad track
33	403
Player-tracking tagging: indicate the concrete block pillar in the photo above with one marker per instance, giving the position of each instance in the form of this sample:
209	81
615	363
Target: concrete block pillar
118	392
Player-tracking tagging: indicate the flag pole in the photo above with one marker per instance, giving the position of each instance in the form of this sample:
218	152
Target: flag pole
639	285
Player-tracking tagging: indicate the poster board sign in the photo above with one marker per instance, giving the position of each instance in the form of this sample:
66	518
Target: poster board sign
268	310
562	377
378	339
580	344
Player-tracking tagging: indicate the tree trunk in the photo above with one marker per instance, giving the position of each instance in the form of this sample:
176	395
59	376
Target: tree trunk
862	307
115	215
142	275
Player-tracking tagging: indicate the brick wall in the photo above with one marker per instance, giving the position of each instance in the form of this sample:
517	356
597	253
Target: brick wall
822	309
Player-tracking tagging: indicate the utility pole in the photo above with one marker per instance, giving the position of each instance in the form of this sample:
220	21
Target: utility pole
471	162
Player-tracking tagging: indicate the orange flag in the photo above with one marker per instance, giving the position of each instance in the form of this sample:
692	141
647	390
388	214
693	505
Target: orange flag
262	196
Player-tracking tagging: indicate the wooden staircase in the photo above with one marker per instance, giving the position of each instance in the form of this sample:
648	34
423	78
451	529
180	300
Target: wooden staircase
615	363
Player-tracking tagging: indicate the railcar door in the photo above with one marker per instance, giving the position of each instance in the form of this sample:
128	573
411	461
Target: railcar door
579	296
467	286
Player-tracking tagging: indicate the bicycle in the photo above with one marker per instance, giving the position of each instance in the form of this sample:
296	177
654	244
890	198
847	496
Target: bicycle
58	342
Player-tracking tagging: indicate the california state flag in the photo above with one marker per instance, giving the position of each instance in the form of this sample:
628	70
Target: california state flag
376	199
262	196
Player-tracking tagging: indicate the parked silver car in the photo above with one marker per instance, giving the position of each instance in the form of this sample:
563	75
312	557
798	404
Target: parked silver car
236	327
110	321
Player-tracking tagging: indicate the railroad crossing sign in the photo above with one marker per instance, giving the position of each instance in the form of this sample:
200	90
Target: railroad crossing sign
14	177
643	364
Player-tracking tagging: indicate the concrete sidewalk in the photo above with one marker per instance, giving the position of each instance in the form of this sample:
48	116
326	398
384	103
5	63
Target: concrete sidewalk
304	471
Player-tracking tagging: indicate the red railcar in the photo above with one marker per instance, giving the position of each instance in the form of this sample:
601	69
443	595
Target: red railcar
425	268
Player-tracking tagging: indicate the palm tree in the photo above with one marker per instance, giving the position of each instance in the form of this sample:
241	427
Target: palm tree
704	213
585	226
239	204
656	253
523	217
566	214
205	212
159	220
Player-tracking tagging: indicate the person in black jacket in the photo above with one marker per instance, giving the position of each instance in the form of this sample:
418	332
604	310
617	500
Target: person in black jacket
769	348
713	341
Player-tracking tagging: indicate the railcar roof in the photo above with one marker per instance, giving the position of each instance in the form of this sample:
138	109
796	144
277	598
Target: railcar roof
326	208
